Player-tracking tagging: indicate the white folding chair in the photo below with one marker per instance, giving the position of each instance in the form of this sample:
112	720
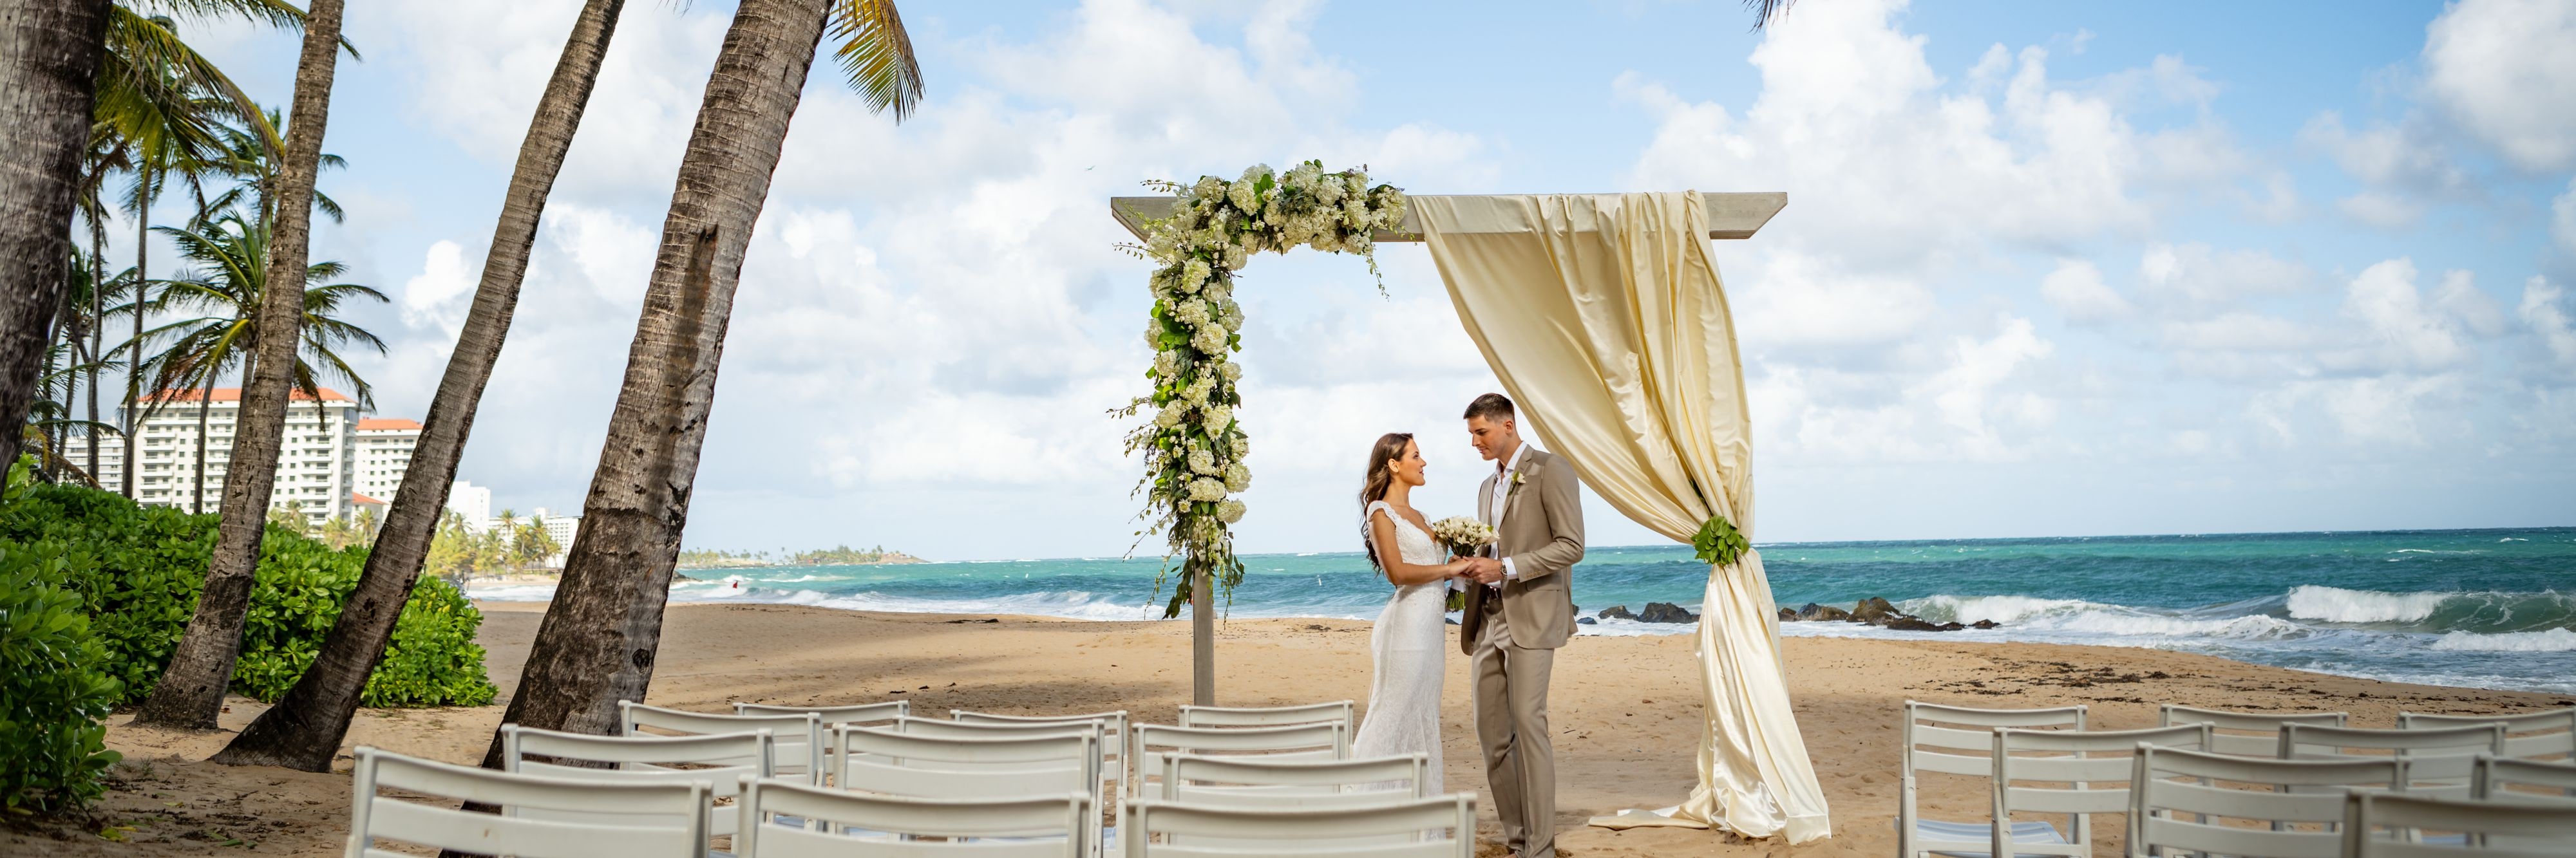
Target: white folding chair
2468	829
1927	745
1115	755
2177	805
2547	735
1267	716
2438	760
799	736
639	759
2245	734
2094	784
1440	827
1262	782
864	713
1027	827
1323	740
2495	779
881	760
659	819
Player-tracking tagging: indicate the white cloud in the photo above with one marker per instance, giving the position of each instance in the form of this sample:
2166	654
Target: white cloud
438	295
2541	310
2400	331
2504	69
2401	167
2194	274
2562	221
2076	289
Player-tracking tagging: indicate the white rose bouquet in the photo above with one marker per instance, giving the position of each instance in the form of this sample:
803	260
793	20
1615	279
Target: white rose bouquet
1462	535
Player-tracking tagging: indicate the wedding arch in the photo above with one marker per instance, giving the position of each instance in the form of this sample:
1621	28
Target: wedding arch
1602	315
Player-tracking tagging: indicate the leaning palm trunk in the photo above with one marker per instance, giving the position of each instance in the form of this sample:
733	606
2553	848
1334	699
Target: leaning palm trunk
49	53
191	692
596	644
134	358
303	731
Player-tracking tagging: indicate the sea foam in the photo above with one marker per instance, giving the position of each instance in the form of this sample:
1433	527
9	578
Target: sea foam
2551	640
2338	605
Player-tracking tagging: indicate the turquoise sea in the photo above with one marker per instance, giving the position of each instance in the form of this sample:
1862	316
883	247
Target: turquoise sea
2481	608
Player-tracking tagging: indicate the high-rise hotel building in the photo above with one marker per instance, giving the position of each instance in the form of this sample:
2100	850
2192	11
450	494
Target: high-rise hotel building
329	453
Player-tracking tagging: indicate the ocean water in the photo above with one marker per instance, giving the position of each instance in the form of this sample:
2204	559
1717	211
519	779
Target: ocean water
2478	608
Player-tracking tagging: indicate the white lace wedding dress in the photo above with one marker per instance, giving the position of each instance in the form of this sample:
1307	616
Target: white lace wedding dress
1409	643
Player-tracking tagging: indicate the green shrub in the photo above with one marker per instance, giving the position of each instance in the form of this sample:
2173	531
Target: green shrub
138	570
52	693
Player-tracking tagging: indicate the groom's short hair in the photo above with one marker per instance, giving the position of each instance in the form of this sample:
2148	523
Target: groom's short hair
1491	406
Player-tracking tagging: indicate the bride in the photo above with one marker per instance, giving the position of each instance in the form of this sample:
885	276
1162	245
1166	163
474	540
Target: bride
1410	637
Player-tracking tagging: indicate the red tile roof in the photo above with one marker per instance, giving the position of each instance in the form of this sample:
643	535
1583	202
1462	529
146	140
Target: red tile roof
356	499
367	423
233	394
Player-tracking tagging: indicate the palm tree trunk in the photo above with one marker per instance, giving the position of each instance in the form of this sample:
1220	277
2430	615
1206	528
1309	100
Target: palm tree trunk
597	642
49	52
303	731
205	406
191	691
97	332
134	359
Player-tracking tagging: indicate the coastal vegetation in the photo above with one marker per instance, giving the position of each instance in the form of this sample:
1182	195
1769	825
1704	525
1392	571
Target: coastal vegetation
841	555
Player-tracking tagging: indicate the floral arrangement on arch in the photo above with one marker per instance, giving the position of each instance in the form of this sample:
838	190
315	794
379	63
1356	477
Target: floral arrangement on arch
1193	445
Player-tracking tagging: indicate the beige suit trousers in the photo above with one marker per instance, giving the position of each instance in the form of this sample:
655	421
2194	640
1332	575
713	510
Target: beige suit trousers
1511	724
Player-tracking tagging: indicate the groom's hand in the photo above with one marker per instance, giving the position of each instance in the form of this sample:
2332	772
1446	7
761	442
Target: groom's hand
1485	570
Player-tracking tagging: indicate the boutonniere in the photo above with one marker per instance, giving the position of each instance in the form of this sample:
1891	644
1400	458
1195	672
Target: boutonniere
1517	478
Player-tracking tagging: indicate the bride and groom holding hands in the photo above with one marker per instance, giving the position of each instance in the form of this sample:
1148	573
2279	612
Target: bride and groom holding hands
1519	610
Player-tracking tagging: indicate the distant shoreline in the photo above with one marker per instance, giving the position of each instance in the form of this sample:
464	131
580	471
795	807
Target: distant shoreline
890	558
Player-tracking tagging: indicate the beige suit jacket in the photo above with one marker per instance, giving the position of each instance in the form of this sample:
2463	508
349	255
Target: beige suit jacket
1542	532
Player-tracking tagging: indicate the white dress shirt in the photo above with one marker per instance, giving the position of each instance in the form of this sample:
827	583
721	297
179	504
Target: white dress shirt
1503	491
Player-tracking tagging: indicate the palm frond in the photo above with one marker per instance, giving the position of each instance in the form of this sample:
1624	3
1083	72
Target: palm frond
1766	11
877	55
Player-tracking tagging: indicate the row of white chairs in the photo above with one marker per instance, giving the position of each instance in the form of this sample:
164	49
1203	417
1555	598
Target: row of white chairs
1277	759
2295	775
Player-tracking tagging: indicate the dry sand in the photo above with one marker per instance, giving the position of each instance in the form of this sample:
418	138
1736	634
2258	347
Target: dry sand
1625	710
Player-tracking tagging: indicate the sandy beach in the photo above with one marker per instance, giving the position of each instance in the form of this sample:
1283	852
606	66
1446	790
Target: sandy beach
1625	710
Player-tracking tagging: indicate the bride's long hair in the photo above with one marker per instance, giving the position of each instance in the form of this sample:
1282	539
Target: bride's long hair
1380	474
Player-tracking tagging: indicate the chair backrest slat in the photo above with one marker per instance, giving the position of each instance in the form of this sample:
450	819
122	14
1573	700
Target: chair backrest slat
2470	829
1267	716
2246	734
1406	829
2176	794
864	713
713	759
1055	826
2545	735
2525	781
654	818
799	736
1153	742
1258	782
2096	784
2438	759
1957	740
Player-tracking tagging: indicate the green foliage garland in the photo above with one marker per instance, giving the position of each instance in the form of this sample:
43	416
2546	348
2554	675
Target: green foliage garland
1193	446
1719	543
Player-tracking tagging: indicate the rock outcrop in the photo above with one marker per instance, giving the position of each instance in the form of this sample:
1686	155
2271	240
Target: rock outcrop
1666	612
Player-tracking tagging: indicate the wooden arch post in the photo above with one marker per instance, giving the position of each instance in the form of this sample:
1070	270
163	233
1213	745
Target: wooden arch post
1730	215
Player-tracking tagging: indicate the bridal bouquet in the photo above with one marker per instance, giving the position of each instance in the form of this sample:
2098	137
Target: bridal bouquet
1462	536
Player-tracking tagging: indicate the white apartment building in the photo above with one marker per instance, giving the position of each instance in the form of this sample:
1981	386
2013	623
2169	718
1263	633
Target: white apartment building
316	465
472	503
384	451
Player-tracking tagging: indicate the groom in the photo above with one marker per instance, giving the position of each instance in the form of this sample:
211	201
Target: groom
1520	608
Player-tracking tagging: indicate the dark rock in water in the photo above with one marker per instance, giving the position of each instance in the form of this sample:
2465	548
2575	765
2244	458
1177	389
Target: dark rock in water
1903	623
1985	624
1874	611
1616	612
1586	621
1952	626
1788	616
1813	612
1666	612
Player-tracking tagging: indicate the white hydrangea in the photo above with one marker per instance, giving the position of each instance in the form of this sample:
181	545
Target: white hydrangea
1215	418
1167	365
1241	193
1235	257
1242	447
1237	477
1210	339
1171	415
1230	511
1219	291
1154	336
1203	463
1206	489
1231	370
1209	187
1192	312
1197	392
1194	274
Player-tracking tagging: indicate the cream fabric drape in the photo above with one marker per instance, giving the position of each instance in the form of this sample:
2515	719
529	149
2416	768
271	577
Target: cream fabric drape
1604	317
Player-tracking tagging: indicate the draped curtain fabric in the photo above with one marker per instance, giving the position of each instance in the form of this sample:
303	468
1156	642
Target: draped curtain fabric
1604	317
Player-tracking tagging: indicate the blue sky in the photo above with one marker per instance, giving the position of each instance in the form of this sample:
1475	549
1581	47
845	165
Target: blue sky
2047	269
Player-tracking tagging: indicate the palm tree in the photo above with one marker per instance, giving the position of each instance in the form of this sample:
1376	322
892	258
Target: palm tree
606	618
48	84
191	690
304	729
233	253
